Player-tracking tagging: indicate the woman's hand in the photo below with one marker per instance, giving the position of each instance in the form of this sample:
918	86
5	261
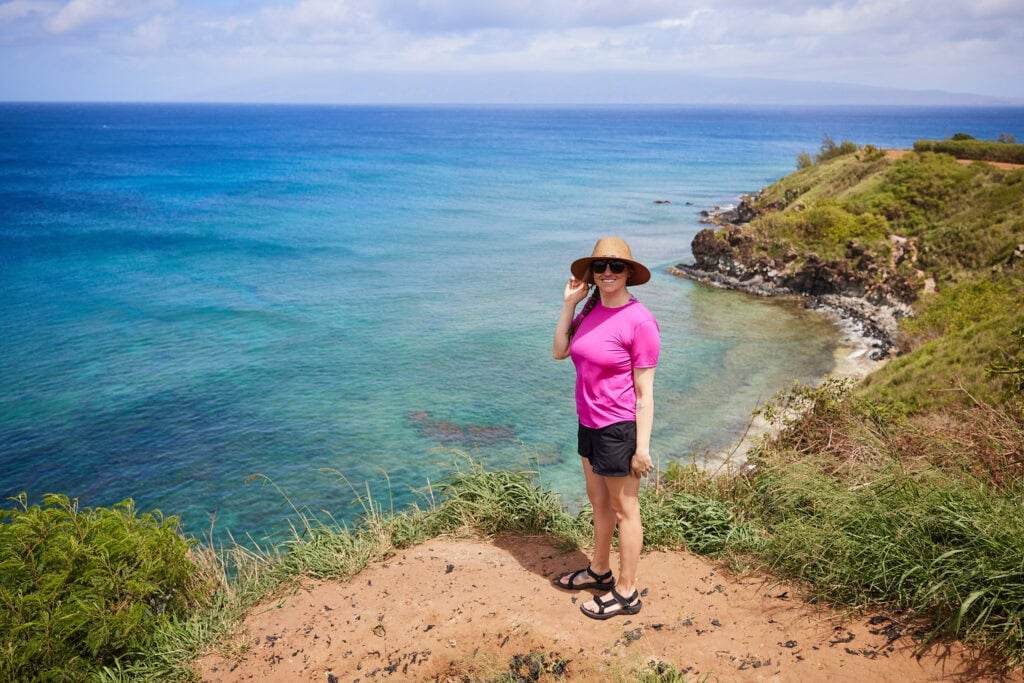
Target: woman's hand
640	465
575	291
643	383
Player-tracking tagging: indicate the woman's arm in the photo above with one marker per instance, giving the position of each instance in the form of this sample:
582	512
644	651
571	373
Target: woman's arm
575	292
643	384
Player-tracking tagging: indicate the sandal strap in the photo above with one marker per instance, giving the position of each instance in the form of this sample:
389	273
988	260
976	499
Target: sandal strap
603	604
571	577
571	583
568	579
625	601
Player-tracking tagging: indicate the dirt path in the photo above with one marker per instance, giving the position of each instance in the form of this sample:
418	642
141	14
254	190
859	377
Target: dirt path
454	610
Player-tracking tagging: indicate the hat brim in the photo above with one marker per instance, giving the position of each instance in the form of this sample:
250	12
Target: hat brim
638	272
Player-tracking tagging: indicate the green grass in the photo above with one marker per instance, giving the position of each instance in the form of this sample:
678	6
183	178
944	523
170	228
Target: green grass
952	345
677	518
962	218
923	515
919	534
947	550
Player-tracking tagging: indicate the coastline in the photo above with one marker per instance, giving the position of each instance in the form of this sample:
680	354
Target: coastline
872	325
862	349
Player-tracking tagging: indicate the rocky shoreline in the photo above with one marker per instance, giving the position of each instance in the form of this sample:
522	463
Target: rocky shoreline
724	258
867	306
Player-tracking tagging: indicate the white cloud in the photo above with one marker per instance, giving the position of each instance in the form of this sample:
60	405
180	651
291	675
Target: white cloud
20	9
446	16
149	37
687	22
77	14
308	19
955	45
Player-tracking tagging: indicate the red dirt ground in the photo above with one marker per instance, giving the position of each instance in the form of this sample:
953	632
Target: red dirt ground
468	610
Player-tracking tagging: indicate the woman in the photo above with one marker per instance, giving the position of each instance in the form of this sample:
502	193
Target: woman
614	344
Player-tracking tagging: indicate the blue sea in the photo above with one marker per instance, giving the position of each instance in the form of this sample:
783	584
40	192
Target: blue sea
230	312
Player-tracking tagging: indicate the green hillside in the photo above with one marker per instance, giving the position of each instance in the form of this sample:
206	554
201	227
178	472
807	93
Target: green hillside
906	490
964	230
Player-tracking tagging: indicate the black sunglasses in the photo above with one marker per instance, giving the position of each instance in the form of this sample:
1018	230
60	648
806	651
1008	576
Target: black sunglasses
597	267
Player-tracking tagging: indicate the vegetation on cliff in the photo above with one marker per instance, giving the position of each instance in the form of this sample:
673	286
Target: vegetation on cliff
82	589
922	219
964	146
906	489
961	218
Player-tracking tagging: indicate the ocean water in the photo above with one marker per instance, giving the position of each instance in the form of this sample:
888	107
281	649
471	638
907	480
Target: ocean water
227	311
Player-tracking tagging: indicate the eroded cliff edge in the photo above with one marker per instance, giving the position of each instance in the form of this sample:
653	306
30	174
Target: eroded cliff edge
868	289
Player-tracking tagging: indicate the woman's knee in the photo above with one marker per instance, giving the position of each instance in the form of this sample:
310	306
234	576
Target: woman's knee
625	505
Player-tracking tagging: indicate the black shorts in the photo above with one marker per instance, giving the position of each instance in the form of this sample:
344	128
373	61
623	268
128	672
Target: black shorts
609	449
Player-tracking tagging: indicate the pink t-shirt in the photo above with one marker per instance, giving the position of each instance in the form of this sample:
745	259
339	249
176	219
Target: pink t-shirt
609	343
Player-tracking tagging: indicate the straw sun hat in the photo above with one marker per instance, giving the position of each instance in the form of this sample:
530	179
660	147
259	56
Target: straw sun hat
610	248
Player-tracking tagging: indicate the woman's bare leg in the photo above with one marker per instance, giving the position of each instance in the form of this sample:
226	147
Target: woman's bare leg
624	502
604	518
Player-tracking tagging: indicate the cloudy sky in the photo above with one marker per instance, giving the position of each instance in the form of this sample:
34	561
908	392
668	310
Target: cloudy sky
520	51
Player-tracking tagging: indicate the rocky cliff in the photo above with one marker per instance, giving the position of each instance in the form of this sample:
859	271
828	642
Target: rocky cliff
870	291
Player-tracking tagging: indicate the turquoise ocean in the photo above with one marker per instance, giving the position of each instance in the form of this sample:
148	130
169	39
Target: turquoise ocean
351	300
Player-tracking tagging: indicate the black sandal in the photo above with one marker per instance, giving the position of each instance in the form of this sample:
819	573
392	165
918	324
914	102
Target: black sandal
625	606
604	581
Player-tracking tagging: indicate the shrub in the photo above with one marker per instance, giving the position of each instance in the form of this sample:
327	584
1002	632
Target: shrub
830	150
923	189
870	153
825	228
956	308
977	150
87	588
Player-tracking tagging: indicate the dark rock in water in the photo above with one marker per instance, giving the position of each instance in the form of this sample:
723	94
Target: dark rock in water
448	432
546	454
741	214
443	431
488	434
662	201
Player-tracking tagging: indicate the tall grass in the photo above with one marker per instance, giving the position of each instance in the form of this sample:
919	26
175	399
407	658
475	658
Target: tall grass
849	498
869	507
947	550
470	501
